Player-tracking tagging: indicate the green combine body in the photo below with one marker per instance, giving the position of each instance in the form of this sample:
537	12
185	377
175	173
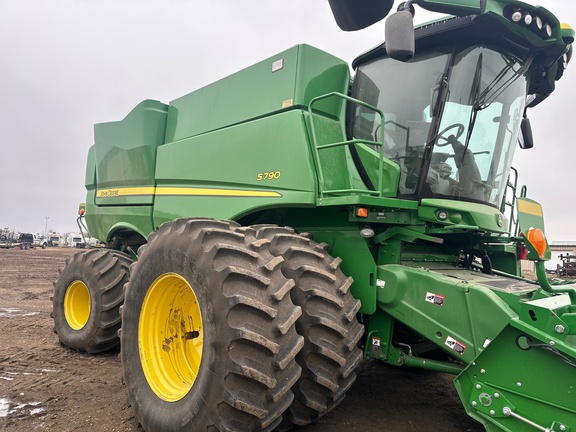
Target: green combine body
396	177
162	157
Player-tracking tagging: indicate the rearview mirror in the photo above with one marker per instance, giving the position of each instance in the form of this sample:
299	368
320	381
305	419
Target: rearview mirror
399	38
526	140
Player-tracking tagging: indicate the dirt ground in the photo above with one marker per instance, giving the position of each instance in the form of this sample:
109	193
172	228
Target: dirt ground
44	387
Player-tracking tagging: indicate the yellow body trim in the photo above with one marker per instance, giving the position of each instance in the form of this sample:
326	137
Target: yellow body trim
188	191
531	208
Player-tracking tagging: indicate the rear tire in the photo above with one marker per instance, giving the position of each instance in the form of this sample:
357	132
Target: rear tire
87	300
208	334
328	323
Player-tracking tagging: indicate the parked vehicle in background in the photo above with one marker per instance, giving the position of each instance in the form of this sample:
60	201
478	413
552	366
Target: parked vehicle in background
30	241
7	238
5	243
55	240
75	240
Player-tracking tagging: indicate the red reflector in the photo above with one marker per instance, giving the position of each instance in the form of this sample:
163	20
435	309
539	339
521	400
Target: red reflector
522	251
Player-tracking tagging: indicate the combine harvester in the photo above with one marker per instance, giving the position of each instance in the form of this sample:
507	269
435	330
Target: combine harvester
284	224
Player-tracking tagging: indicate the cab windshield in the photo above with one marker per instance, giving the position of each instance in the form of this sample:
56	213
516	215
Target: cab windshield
451	120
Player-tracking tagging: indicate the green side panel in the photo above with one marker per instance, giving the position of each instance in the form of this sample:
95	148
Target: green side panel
125	151
458	311
357	261
289	79
332	225
103	221
337	166
462	214
228	173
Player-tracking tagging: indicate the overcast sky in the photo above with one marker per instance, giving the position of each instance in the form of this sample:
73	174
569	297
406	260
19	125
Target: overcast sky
67	64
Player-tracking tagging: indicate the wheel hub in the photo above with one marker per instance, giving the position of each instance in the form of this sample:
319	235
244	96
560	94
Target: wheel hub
77	305
170	337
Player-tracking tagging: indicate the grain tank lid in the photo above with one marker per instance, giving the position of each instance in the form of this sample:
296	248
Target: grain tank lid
145	105
139	127
288	80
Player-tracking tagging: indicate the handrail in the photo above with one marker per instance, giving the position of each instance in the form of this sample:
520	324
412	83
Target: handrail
513	227
317	147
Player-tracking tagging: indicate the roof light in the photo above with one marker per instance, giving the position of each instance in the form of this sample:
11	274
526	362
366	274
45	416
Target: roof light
537	239
539	23
527	19
548	29
516	16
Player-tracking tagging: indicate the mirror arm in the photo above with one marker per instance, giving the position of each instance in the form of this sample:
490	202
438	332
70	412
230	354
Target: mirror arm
407	5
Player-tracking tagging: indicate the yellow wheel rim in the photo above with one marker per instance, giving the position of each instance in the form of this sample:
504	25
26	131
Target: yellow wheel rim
170	337
77	305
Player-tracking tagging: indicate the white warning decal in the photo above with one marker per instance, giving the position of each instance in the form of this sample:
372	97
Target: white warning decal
375	345
454	345
436	299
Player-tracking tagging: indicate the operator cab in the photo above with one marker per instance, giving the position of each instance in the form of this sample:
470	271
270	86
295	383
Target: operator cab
452	113
451	120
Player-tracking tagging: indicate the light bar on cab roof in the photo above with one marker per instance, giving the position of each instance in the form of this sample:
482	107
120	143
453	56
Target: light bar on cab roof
531	21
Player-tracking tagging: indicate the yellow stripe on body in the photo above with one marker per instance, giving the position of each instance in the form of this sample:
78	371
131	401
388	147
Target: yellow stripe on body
531	208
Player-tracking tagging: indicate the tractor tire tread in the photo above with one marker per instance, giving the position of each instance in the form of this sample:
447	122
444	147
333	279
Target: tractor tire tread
328	323
104	272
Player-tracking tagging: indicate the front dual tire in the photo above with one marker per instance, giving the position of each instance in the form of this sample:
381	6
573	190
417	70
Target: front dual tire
208	331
